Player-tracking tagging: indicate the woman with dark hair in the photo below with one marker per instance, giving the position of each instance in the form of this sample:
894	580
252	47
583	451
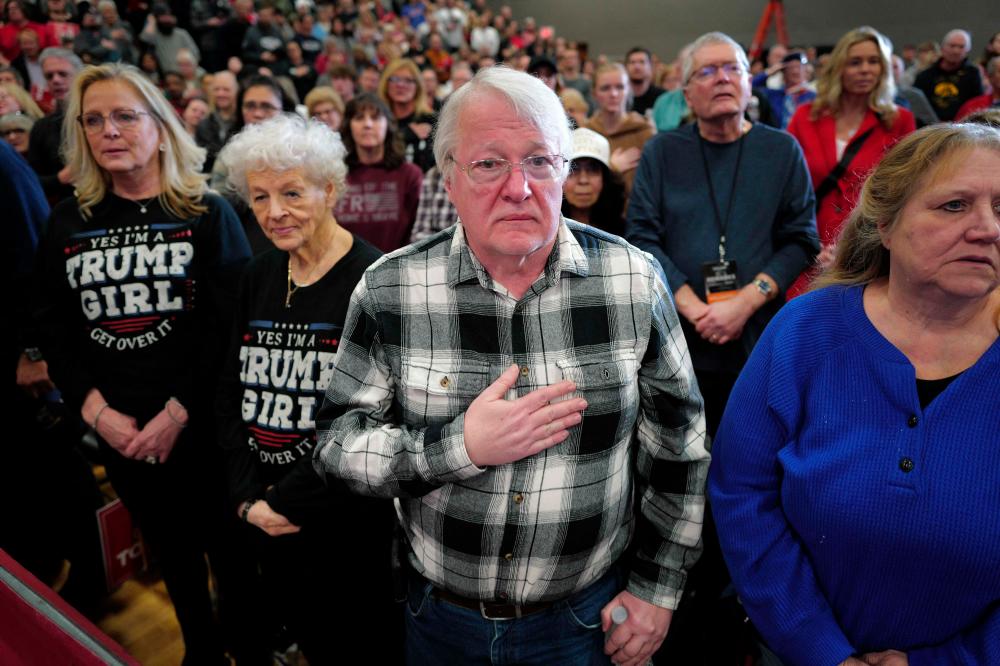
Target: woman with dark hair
383	189
593	194
195	110
300	71
261	97
15	19
992	50
149	65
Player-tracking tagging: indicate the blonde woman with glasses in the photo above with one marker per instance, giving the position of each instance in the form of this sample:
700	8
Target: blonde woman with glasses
402	89
137	276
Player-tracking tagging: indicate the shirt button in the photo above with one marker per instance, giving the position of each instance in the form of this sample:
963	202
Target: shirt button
906	464
445	382
912	421
508	556
518	498
524	371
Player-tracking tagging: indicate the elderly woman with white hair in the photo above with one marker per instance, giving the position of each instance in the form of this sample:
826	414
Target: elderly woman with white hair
290	314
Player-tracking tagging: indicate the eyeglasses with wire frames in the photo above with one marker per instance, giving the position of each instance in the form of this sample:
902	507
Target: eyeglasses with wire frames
124	119
535	168
709	72
402	80
266	107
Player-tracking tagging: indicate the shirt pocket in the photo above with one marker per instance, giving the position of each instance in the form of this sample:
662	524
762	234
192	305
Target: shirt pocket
609	382
436	393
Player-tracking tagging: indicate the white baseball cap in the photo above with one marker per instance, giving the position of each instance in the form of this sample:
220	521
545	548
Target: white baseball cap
588	143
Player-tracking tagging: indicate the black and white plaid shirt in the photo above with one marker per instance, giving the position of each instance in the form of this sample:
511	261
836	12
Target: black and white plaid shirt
428	330
435	212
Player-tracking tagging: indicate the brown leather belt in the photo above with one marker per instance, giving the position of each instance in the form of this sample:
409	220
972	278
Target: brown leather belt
493	610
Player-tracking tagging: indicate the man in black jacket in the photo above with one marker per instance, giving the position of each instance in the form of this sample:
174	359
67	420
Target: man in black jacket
952	80
60	67
213	132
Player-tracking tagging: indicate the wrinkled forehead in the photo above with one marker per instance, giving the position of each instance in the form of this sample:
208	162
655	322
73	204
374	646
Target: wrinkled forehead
489	121
717	53
57	64
947	165
223	81
956	39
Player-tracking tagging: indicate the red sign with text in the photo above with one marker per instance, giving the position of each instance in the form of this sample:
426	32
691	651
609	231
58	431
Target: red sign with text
122	547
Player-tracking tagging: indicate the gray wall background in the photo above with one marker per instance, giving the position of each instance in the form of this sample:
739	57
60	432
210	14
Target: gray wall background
663	26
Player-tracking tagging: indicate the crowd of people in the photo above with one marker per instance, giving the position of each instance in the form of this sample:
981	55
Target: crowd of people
419	318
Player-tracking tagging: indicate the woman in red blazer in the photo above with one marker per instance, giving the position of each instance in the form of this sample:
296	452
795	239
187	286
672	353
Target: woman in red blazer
853	115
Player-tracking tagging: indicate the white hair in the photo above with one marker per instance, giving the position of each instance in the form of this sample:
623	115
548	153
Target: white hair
285	142
532	101
959	31
186	55
64	54
708	39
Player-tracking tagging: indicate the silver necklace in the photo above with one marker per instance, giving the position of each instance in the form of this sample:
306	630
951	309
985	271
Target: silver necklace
143	207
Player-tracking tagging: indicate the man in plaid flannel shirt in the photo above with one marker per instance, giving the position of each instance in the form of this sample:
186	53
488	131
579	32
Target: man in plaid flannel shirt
435	210
521	385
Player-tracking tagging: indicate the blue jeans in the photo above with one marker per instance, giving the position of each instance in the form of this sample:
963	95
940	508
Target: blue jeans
439	633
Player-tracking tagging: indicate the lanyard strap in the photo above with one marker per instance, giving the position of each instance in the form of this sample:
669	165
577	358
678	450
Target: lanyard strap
721	223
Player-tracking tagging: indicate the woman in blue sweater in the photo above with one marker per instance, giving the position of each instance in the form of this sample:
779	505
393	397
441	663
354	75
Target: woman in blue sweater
856	473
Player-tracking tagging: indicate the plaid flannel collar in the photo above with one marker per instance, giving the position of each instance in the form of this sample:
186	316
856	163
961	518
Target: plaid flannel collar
566	256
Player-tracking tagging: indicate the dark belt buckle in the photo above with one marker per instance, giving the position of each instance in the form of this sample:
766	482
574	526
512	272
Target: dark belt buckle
491	611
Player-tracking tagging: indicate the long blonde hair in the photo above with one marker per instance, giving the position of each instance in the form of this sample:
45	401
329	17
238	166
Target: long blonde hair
182	185
420	103
829	87
910	164
23	97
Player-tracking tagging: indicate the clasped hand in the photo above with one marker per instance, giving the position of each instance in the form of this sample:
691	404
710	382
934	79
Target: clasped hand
155	440
499	431
718	322
723	321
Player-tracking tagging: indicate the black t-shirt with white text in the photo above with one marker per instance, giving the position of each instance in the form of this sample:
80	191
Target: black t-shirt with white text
137	304
278	367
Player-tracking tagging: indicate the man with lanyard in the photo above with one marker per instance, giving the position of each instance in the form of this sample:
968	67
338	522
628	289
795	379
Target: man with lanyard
519	382
727	208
